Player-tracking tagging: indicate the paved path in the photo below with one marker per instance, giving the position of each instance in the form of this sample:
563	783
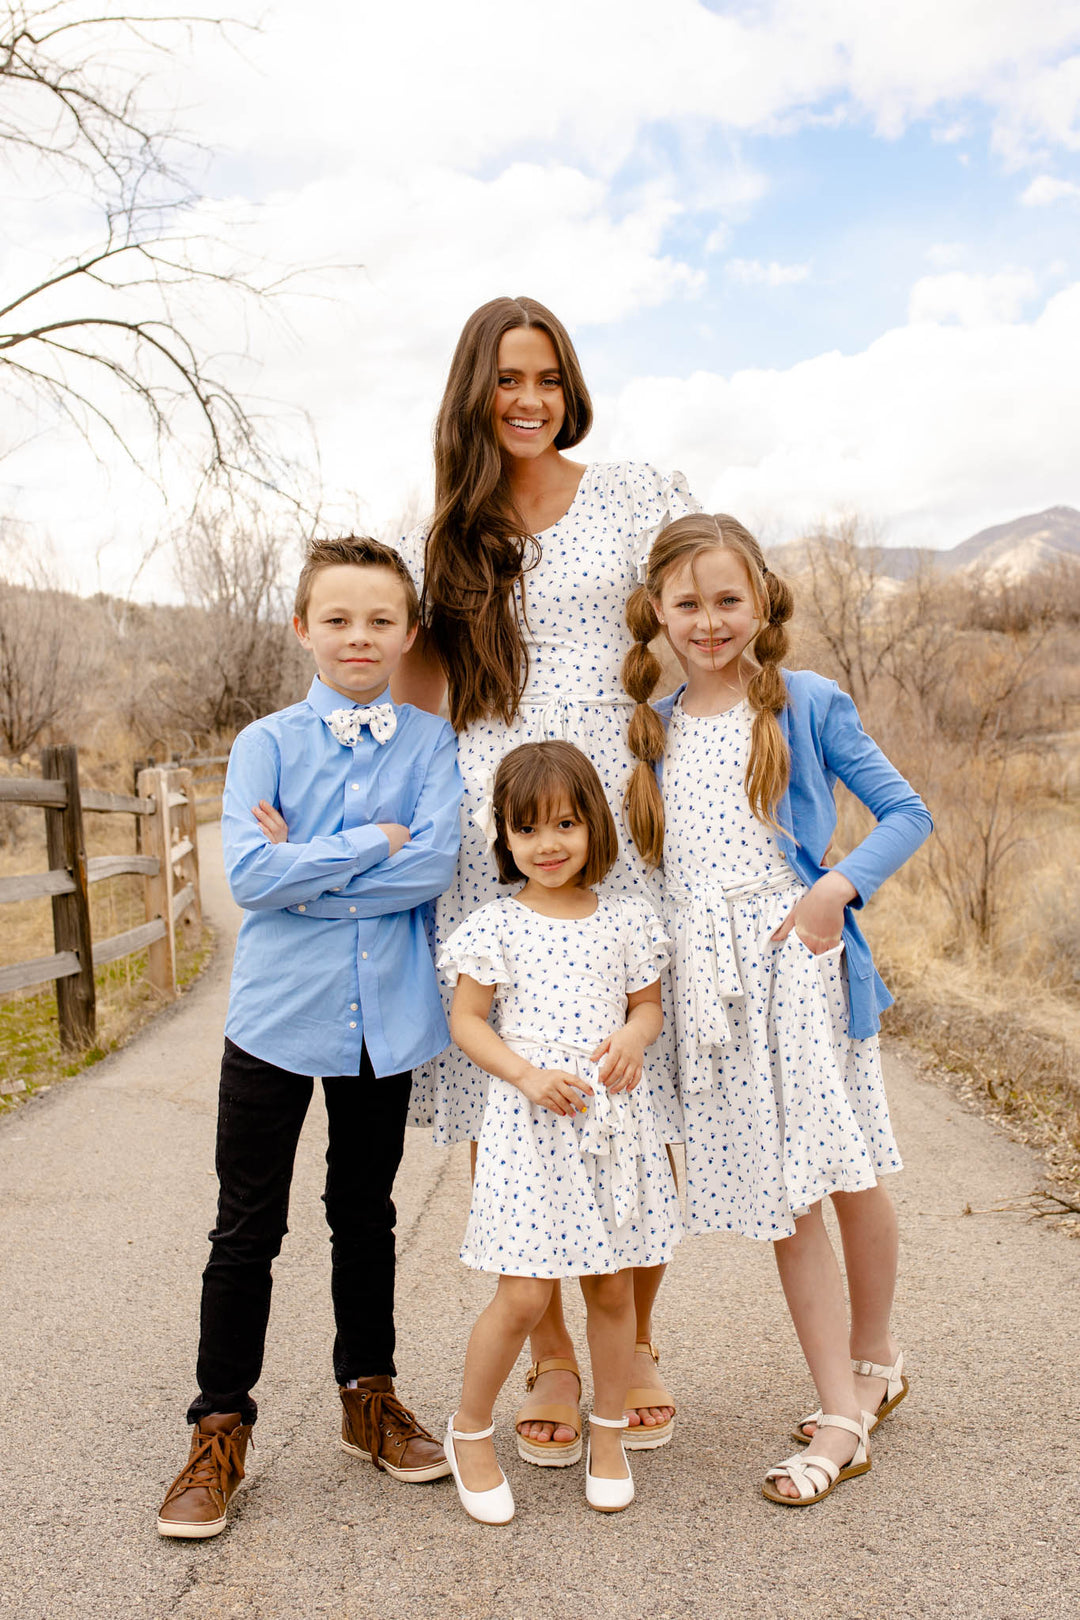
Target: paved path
106	1194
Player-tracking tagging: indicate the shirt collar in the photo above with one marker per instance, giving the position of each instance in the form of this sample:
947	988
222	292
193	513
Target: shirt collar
324	700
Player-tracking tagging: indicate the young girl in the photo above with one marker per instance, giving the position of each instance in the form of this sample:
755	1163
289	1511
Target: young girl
525	569
777	999
572	1179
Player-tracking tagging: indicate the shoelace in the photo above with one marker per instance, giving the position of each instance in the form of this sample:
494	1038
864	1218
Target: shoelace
377	1404
215	1456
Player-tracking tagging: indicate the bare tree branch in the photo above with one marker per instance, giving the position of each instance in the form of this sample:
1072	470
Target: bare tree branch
122	324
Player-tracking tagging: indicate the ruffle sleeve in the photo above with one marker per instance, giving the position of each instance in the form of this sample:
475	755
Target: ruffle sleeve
476	947
659	498
646	947
412	549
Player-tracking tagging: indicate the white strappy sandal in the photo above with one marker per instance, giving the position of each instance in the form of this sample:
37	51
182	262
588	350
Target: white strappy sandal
495	1506
608	1495
897	1388
815	1476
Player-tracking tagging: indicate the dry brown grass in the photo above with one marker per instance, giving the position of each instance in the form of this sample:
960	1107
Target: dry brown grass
984	960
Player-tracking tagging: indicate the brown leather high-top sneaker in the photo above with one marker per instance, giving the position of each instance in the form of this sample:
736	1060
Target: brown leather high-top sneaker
375	1424
197	1502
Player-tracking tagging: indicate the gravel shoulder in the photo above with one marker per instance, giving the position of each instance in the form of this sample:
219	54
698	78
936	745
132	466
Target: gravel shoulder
106	1195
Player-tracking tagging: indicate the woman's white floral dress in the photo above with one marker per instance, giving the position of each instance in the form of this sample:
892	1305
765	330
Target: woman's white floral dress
780	1105
564	1195
575	630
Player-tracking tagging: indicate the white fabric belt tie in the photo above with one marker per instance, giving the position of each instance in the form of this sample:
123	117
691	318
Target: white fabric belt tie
559	714
611	1129
560	720
706	962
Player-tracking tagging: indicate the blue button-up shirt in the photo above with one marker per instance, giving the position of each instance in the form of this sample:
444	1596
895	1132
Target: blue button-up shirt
333	948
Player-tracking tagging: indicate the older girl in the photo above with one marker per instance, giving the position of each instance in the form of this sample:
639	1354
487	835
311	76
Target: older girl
777	999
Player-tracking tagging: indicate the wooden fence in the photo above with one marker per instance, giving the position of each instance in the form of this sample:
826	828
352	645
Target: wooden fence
167	860
206	769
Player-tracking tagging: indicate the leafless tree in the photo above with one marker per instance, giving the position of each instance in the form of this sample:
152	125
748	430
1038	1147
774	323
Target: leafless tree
108	340
232	655
45	660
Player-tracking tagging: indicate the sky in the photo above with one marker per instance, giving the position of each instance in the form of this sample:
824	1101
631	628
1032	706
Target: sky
822	257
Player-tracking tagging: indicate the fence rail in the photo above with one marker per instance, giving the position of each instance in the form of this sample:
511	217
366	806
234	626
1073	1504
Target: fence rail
206	770
167	860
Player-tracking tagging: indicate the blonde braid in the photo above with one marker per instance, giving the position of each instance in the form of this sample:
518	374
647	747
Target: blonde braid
643	805
768	769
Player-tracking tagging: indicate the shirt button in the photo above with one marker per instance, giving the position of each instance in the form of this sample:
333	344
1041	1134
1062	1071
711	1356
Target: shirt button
364	955
337	890
301	908
355	786
352	908
354	1006
352	1023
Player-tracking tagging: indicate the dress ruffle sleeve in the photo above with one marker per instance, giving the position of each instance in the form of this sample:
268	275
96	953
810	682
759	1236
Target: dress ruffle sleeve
476	947
659	498
647	948
412	548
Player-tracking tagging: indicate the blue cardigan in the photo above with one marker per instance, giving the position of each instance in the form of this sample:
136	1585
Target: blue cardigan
827	743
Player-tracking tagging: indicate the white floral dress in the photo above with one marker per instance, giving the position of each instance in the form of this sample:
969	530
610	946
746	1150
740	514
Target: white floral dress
780	1105
560	1195
575	602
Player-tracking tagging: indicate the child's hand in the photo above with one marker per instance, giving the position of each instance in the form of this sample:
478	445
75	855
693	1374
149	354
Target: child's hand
621	1058
271	821
554	1089
818	918
397	835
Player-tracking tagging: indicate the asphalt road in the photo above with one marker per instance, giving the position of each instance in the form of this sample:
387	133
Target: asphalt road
106	1195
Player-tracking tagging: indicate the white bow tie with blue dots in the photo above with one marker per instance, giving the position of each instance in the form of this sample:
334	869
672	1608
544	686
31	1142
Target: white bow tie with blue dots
347	724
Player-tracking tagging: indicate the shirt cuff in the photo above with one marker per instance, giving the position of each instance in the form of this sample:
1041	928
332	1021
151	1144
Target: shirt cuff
371	845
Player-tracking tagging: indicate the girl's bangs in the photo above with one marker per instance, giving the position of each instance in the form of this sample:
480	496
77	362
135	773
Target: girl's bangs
537	793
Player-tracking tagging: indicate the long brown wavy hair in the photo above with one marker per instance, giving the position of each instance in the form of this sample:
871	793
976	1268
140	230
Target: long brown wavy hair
769	766
478	548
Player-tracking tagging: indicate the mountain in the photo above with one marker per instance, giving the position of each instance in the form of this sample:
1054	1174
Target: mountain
1020	547
1008	550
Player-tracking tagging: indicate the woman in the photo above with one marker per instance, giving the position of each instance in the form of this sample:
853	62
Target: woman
524	572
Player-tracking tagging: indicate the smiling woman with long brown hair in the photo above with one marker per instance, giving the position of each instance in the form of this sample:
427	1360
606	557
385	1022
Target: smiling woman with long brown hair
524	571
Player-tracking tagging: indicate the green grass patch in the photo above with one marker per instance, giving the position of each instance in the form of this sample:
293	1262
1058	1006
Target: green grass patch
29	1032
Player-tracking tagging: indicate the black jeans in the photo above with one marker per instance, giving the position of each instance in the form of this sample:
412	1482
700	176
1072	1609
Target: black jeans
260	1112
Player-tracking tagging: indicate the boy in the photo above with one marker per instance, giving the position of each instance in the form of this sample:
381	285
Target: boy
332	975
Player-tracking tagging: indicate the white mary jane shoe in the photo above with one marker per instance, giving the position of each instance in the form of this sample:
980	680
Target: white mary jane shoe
486	1507
608	1495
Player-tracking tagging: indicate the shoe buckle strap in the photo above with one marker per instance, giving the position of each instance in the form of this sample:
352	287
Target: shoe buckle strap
872	1369
475	1434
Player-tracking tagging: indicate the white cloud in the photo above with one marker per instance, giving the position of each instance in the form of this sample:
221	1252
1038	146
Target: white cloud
391	84
932	430
751	272
969	299
1047	189
942	255
455	153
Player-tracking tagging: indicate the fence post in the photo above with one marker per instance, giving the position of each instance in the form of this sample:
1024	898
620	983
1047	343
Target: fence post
191	921
156	840
66	845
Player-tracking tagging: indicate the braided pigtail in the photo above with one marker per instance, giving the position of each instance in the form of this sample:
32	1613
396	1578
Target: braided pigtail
643	805
769	767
